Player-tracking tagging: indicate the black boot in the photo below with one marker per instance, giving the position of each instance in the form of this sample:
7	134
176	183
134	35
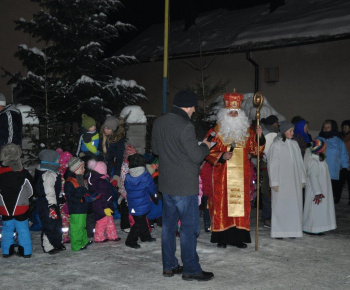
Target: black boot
21	252
11	252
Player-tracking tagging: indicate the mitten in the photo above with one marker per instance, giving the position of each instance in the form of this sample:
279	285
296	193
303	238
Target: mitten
108	211
52	212
61	200
114	182
117	178
155	199
90	197
318	198
275	188
87	198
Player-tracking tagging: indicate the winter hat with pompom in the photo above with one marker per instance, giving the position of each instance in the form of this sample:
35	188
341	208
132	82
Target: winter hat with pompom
11	156
318	146
49	160
129	150
75	163
98	166
64	160
87	121
59	150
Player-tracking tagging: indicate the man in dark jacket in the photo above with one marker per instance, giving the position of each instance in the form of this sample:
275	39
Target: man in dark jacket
180	155
10	123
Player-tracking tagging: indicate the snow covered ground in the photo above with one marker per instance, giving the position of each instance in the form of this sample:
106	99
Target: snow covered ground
310	262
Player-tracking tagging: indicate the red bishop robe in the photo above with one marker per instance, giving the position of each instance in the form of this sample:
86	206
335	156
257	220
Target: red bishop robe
220	202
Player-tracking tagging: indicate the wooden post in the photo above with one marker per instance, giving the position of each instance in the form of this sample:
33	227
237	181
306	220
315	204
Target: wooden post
165	61
258	100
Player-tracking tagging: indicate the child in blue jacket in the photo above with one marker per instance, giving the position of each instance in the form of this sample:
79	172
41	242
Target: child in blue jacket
139	186
89	140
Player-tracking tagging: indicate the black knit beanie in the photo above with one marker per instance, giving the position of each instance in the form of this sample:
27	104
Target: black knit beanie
136	160
270	120
185	99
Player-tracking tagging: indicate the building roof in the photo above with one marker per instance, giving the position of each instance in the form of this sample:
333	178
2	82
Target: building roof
227	31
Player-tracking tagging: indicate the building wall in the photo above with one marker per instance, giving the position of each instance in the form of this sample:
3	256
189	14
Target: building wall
11	10
313	79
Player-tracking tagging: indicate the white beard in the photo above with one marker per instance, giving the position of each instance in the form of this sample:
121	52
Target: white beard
233	129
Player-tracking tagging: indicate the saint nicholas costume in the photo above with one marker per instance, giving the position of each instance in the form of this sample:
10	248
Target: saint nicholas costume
229	205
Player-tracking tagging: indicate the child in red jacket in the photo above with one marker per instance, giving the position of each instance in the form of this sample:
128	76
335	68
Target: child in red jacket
15	190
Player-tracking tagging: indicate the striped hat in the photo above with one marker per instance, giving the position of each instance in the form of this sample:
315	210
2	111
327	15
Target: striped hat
318	146
75	163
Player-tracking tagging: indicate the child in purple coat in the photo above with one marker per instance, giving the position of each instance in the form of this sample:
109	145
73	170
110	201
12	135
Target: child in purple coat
98	180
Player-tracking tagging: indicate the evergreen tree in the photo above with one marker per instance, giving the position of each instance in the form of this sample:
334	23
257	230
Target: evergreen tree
71	73
204	116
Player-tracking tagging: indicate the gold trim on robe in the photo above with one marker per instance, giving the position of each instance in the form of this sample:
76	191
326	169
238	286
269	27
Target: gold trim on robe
235	183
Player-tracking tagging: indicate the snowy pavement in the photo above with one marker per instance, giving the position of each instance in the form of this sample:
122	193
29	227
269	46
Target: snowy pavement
311	262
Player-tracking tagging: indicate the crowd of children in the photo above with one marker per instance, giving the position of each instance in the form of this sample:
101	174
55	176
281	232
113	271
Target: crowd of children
69	191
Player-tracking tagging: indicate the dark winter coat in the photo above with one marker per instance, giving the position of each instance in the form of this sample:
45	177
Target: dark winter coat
114	156
16	187
74	194
48	195
139	190
10	126
102	186
174	141
51	194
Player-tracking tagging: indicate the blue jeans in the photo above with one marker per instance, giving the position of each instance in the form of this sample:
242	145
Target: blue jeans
186	209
